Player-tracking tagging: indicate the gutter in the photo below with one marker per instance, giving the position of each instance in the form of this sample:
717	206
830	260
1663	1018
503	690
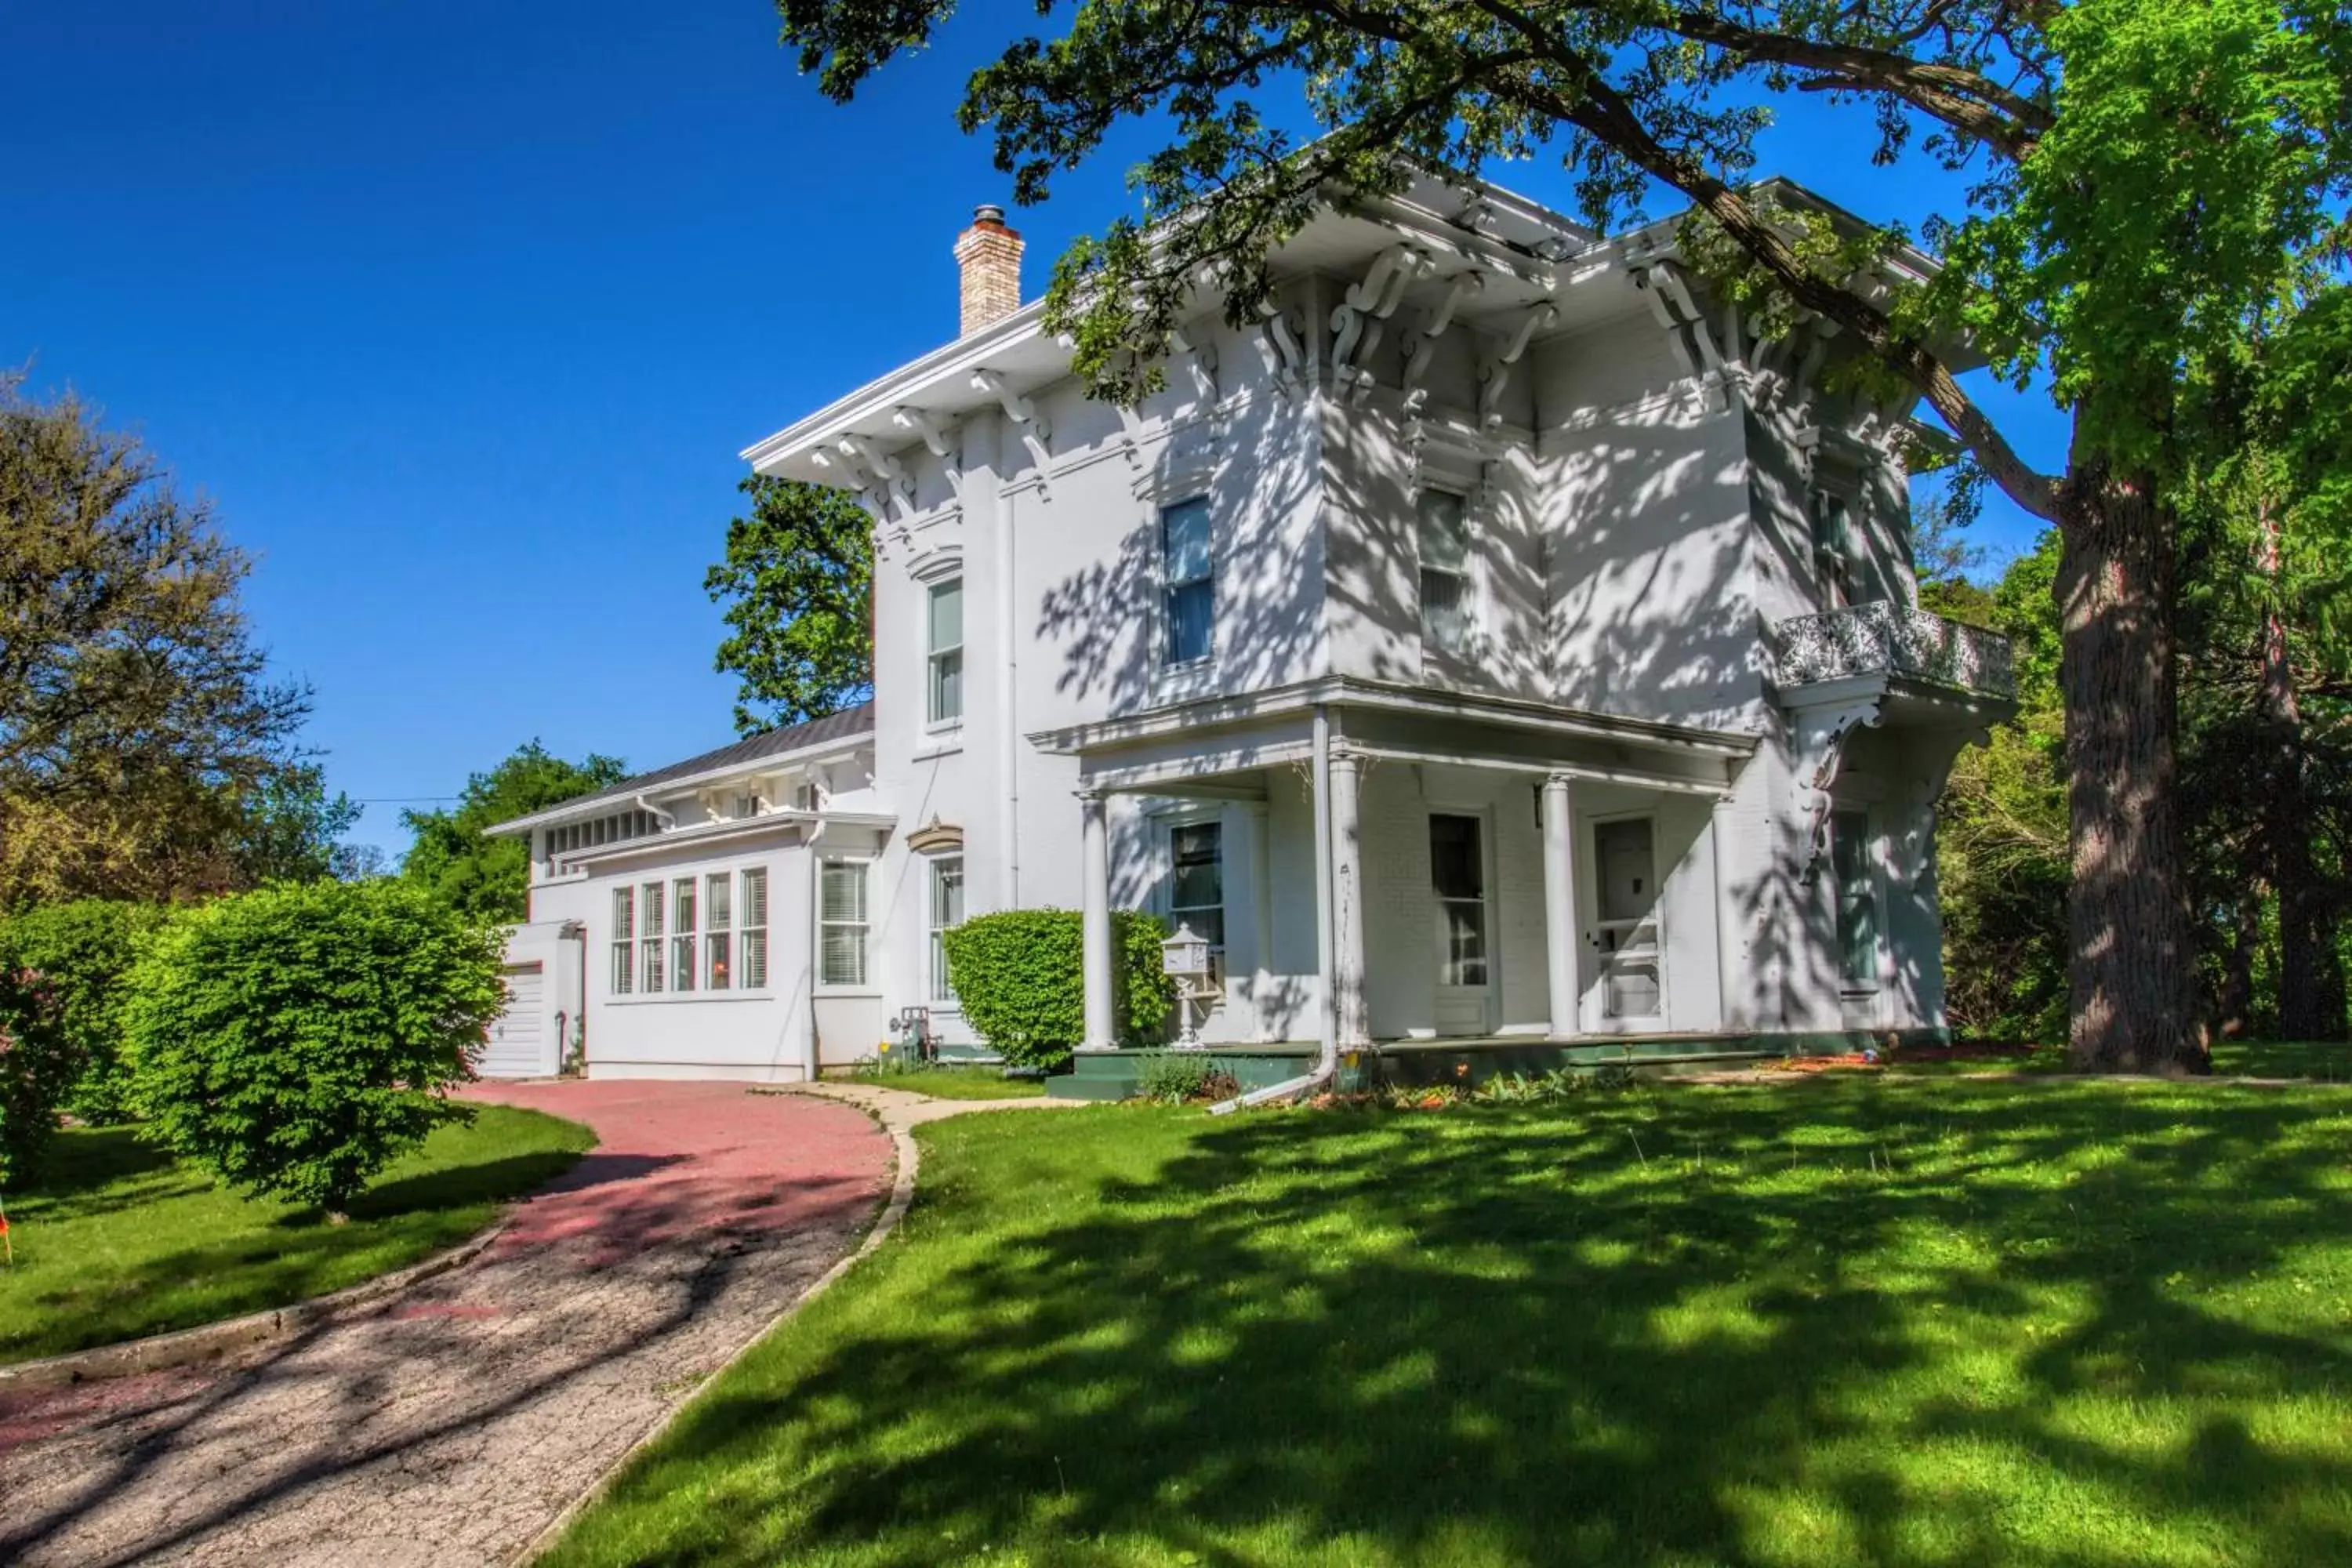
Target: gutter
1327	1064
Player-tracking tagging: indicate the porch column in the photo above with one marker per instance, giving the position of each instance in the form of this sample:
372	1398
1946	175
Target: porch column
1560	934
1348	898
1094	874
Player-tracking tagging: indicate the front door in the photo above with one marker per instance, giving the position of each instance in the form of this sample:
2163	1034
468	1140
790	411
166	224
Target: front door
1466	970
1630	932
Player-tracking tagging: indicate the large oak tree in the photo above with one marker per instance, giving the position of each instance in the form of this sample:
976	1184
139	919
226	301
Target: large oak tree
2144	175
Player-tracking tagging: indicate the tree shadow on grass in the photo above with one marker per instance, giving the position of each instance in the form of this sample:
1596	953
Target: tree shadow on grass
1923	1323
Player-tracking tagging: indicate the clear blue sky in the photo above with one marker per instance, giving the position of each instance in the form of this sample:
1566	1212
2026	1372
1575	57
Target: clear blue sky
460	312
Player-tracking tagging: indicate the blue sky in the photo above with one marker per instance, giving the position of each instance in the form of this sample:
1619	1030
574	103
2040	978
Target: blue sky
459	314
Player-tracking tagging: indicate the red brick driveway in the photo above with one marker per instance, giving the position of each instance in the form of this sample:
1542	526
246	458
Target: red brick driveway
452	1427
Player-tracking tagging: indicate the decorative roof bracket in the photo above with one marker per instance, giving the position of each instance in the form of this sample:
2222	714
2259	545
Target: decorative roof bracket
1366	305
1035	428
1202	362
1822	740
1461	285
926	424
1498	370
1278	345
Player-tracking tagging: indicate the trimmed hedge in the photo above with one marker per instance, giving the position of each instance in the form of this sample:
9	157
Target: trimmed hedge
84	950
295	1040
37	1066
1020	978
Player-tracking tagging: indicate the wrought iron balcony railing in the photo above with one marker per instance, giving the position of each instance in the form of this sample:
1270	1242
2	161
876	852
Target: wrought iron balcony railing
1892	639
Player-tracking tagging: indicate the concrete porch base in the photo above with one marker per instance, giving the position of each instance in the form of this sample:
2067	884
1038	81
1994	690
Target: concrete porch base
1115	1075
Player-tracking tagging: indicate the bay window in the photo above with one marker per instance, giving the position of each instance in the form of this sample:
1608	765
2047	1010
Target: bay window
718	910
682	942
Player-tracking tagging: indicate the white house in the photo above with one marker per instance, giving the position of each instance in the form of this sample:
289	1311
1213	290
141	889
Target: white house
1498	642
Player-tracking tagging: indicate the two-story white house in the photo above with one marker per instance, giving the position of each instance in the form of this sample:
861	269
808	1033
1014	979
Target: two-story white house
1498	644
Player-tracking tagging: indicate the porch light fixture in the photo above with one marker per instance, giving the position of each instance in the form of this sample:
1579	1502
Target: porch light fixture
1184	958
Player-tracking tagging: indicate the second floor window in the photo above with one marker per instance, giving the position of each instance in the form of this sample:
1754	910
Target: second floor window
1190	579
945	646
1834	544
1446	598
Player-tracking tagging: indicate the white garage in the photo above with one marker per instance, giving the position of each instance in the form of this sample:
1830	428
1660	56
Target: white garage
543	1013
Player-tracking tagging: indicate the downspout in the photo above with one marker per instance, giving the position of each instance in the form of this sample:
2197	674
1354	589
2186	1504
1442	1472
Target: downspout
1008	600
1326	1065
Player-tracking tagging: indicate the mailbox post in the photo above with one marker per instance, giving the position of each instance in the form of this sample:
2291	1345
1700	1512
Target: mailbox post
1184	958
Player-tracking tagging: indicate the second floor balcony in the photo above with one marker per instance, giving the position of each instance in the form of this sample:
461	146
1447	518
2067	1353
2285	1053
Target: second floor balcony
1894	641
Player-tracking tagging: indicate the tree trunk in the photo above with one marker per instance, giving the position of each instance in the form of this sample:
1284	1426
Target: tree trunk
2235	1005
2131	972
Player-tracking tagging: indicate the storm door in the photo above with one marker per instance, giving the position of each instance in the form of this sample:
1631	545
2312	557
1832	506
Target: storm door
1465	967
1630	932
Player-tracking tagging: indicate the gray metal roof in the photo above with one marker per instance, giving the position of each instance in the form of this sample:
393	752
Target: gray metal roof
845	725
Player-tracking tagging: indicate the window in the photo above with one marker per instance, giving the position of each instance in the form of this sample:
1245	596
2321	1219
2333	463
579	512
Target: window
747	806
682	942
1446	593
1196	879
1190	579
947	913
841	922
624	941
945	644
1857	899
716	918
755	929
649	937
1457	867
1834	547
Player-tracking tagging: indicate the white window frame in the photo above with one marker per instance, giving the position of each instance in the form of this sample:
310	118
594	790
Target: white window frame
865	984
933	655
1870	984
937	992
622	977
1170	827
745	930
1473	604
653	938
718	969
685	933
1164	621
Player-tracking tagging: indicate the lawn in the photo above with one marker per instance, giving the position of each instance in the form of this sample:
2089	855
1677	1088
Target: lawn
122	1240
956	1083
1851	1321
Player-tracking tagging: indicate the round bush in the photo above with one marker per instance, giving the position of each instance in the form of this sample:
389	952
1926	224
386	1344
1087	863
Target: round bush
1019	978
296	1040
37	1066
84	950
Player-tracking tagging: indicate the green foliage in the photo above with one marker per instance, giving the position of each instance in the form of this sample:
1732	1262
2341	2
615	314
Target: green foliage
38	1067
798	585
294	829
2001	862
83	950
1559	1083
295	1040
1175	1078
487	878
1019	976
140	734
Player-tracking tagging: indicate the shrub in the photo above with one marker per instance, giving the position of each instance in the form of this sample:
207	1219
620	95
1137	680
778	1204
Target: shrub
1019	976
84	950
37	1066
295	1040
1172	1077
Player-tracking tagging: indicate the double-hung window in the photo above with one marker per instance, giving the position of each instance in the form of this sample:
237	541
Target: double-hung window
841	922
624	941
1190	584
682	942
650	965
1444	530
1196	879
718	931
753	934
1834	547
947	913
945	648
1857	900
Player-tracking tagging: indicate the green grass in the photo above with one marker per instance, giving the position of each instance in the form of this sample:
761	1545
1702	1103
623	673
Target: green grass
1860	1321
2321	1060
956	1083
123	1240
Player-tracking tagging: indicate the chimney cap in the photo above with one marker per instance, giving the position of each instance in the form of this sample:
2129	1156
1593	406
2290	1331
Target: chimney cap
988	212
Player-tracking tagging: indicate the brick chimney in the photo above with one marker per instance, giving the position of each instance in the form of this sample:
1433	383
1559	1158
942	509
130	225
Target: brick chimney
990	255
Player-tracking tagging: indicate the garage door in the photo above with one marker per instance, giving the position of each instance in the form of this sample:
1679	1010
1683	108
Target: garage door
518	1045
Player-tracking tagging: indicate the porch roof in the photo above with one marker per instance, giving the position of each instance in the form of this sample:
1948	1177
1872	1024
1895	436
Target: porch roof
1191	743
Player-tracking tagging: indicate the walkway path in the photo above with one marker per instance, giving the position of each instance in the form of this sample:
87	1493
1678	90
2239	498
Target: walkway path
452	1427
